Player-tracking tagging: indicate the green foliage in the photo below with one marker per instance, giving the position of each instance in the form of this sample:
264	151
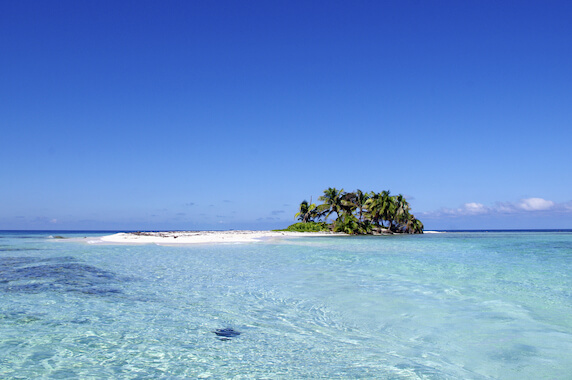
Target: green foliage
351	225
332	199
348	224
358	213
308	227
308	212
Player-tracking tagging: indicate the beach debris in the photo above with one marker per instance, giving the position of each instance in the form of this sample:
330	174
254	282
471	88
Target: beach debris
227	333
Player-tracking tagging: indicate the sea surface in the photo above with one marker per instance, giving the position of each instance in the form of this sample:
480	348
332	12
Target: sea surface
455	305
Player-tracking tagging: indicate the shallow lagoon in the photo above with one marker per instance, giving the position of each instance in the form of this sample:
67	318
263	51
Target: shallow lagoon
436	306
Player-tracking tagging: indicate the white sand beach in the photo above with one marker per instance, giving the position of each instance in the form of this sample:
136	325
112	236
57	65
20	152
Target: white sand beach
202	237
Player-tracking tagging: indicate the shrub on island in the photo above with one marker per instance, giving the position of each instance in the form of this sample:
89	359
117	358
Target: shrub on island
307	227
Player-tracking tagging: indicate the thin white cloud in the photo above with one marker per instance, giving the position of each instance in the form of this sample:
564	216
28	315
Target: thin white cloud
475	208
523	206
535	204
505	207
471	208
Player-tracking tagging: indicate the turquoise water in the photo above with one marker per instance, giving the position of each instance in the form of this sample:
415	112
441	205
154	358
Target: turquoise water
435	306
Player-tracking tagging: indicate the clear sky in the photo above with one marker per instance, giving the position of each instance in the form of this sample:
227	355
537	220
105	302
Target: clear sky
227	114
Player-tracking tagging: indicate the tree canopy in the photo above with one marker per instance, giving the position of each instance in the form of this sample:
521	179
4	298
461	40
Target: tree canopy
360	213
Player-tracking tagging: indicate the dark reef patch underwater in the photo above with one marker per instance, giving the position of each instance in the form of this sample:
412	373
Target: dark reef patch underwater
63	274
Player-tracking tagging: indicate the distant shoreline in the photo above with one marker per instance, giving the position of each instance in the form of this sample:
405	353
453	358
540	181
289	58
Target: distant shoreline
235	236
203	237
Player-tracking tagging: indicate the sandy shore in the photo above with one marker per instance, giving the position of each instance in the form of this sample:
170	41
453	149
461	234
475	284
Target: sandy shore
202	237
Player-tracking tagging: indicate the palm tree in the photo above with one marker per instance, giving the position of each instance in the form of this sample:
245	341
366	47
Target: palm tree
380	208
332	199
401	211
307	212
418	227
389	208
414	225
360	200
373	207
349	203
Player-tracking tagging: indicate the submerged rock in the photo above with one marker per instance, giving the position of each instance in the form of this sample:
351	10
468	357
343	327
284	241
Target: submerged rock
226	333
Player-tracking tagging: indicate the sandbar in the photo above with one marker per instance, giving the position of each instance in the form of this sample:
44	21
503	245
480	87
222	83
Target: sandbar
203	237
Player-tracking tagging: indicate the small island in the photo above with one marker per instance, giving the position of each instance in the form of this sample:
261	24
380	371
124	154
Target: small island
357	213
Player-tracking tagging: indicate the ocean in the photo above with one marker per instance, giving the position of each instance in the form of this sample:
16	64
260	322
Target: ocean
454	305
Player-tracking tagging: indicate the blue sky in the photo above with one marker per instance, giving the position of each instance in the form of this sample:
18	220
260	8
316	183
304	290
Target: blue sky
227	114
